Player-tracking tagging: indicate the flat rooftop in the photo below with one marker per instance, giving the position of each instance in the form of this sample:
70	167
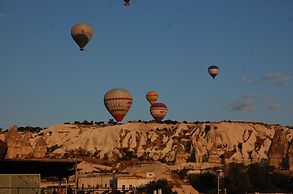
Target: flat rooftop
60	168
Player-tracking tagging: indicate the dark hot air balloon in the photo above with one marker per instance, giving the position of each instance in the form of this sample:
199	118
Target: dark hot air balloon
213	71
126	2
118	102
81	34
158	111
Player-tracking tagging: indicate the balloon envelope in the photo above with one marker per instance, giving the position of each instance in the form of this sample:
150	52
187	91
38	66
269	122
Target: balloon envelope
81	33
126	2
158	111
213	71
152	96
118	102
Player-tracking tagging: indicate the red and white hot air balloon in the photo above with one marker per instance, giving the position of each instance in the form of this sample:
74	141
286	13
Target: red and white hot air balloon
118	102
126	2
158	111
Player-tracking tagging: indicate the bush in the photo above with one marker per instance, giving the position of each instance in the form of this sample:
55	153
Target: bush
112	122
285	163
30	129
127	154
52	148
241	179
206	182
155	185
100	123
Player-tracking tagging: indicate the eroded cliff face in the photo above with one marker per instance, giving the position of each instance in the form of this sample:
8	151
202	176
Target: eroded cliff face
279	149
13	140
217	142
290	153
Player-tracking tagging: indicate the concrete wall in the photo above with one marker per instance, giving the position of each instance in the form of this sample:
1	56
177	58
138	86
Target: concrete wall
132	182
94	181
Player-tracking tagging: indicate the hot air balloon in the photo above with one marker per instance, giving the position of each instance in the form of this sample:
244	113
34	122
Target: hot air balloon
158	111
152	96
81	34
126	2
213	71
118	102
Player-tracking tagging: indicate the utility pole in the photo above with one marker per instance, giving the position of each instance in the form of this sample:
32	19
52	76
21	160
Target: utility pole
75	167
218	177
218	184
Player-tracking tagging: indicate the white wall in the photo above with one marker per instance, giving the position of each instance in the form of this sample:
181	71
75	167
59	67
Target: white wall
100	180
134	181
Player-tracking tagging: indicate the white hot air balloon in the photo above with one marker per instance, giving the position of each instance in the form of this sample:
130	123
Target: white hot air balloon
118	102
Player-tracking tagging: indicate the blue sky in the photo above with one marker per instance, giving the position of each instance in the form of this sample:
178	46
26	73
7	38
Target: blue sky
163	45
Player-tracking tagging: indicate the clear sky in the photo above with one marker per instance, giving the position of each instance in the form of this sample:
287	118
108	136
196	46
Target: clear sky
161	45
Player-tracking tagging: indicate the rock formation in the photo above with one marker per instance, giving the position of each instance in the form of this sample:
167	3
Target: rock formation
26	147
3	149
13	139
215	142
40	148
18	145
279	148
291	157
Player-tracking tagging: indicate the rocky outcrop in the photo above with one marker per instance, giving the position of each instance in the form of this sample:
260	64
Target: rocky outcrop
291	156
40	148
13	139
18	145
215	142
279	148
3	149
26	147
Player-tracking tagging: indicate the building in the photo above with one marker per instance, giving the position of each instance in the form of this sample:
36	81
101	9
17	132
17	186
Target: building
128	182
94	180
61	169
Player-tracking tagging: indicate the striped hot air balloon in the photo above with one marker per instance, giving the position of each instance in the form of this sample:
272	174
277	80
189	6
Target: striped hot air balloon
152	96
158	111
213	70
81	34
118	102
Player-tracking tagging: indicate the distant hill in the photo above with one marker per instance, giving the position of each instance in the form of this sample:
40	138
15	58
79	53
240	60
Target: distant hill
175	142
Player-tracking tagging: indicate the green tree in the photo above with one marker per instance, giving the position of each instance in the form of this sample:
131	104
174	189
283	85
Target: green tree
155	185
206	182
69	190
260	177
285	163
255	177
236	179
283	183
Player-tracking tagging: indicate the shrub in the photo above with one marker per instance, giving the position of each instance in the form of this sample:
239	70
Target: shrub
155	185
203	182
30	129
